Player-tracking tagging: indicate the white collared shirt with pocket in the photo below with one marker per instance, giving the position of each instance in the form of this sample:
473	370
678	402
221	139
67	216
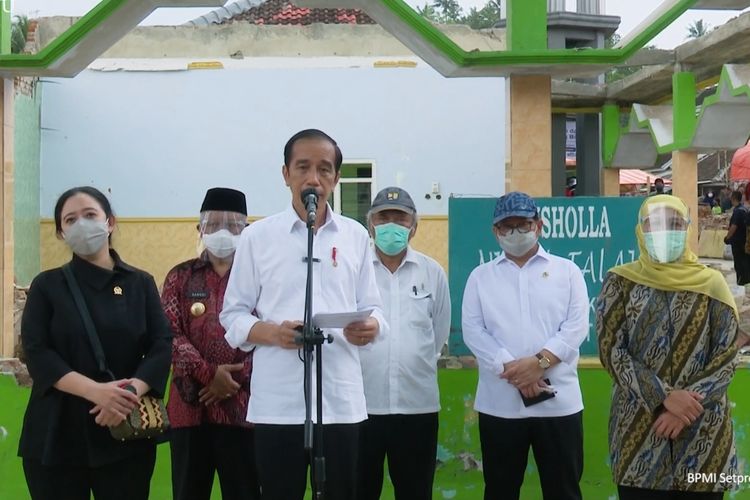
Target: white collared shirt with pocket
510	313
400	372
267	283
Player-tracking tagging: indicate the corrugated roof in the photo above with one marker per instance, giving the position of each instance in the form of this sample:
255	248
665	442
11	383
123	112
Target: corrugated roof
279	12
218	16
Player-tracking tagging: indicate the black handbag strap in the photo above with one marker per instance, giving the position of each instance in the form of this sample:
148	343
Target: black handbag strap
88	323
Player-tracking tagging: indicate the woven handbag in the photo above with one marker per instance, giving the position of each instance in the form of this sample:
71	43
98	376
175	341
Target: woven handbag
149	418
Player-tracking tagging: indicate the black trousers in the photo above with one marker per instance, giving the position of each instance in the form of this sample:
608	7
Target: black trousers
128	479
410	444
283	463
741	263
557	443
199	452
630	493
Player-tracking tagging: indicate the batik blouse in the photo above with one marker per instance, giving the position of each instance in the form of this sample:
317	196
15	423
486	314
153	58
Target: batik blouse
652	342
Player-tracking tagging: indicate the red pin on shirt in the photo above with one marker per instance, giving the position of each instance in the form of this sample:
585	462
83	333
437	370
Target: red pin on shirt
333	257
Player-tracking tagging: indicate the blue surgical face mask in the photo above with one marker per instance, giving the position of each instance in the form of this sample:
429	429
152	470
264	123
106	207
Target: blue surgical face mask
665	246
391	238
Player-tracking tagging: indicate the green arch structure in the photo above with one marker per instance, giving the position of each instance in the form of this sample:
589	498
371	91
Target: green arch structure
650	130
721	122
88	38
106	23
527	36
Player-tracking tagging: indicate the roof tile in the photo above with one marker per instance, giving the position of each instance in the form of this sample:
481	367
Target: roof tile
285	12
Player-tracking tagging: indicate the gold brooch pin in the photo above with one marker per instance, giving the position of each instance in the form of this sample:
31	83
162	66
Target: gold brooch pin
197	309
117	290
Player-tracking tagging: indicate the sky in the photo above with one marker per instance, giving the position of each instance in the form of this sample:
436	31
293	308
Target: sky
632	12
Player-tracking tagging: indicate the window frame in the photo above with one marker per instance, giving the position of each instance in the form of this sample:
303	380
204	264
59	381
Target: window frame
355	180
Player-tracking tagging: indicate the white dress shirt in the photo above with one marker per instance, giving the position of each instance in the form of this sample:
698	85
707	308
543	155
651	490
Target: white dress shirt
509	313
267	283
400	372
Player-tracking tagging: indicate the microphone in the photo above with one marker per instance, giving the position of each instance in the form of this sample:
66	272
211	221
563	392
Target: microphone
310	199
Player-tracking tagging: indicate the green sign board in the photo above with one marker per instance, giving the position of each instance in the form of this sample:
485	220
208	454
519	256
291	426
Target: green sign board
595	233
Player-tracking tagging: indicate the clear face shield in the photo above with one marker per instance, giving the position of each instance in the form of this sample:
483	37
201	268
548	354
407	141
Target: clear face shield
665	232
220	231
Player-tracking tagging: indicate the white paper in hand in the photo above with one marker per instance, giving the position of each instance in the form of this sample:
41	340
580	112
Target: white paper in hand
339	320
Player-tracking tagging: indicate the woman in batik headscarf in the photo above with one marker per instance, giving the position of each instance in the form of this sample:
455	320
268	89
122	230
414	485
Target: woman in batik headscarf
666	326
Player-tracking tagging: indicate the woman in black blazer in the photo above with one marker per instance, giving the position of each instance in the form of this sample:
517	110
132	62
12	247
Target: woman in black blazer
66	445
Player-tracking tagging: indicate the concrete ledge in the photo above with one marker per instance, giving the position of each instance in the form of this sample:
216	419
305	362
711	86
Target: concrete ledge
252	40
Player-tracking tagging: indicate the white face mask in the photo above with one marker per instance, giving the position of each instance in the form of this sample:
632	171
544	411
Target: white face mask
517	244
87	236
222	243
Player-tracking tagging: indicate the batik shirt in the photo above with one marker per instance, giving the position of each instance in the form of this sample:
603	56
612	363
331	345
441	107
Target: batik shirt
199	347
652	342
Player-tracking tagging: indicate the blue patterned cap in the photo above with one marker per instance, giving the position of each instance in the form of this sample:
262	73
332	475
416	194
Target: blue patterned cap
514	204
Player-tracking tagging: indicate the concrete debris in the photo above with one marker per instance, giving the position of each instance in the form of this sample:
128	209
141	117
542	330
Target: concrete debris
450	362
470	462
457	362
18	370
19	298
468	361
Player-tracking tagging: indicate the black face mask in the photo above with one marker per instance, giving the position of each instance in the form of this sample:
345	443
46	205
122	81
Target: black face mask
659	189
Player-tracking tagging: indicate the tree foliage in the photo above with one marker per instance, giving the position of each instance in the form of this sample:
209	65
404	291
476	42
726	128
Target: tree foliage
18	32
618	73
483	18
697	29
429	13
451	12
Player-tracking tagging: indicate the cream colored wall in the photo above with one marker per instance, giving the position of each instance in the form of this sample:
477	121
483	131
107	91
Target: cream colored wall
530	169
432	238
156	245
610	182
7	293
684	180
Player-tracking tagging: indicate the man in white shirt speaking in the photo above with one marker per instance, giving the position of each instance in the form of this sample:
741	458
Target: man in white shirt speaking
400	372
264	303
524	316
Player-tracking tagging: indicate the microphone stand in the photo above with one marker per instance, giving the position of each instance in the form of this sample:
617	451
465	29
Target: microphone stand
313	337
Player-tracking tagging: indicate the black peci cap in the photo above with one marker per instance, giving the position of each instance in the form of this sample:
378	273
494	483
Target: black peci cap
225	200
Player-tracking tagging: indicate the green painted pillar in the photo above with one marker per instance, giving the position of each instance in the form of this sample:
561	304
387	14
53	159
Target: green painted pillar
5	27
684	161
530	96
685	118
527	24
610	132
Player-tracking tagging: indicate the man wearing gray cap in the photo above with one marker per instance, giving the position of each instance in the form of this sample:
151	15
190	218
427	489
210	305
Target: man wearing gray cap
400	371
524	316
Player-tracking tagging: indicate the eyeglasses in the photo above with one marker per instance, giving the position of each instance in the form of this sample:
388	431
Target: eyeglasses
522	227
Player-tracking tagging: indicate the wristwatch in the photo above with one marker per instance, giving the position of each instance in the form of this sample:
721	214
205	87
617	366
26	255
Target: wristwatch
544	361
